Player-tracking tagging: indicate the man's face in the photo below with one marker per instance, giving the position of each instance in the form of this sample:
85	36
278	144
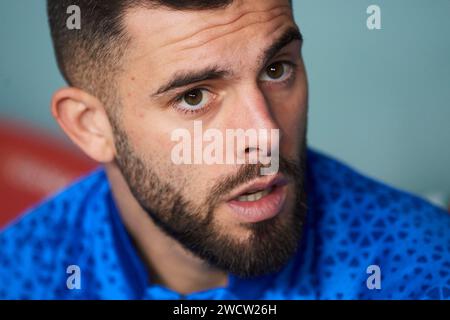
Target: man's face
249	86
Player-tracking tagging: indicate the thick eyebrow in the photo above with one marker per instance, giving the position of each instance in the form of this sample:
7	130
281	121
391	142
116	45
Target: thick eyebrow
288	36
184	78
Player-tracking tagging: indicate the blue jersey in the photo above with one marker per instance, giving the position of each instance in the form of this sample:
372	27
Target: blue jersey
362	240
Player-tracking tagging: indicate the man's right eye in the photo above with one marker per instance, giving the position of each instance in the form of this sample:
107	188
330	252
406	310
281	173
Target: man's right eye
194	100
193	97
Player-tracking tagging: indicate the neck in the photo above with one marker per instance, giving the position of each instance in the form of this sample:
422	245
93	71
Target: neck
168	263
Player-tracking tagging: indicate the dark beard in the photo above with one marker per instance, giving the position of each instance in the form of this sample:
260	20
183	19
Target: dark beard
271	243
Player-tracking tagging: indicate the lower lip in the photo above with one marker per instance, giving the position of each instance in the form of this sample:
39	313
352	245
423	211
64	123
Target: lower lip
265	208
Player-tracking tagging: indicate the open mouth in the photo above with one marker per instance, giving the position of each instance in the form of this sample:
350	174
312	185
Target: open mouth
259	188
255	196
260	200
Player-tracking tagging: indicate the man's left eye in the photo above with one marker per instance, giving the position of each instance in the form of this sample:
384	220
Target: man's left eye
277	72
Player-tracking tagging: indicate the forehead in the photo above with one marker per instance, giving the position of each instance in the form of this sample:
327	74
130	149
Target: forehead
169	38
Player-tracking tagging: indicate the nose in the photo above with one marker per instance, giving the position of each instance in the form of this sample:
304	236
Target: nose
254	115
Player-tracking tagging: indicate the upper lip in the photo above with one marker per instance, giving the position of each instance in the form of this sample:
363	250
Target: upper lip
259	183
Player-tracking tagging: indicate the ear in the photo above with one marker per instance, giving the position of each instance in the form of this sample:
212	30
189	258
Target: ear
83	118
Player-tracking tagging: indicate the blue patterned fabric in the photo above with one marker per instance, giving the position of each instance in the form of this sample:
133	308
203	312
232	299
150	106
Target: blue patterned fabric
353	222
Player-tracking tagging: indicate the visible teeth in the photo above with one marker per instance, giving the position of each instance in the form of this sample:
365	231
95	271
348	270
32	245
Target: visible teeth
254	196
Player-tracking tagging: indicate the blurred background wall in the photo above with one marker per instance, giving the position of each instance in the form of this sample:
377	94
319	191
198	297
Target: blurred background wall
379	99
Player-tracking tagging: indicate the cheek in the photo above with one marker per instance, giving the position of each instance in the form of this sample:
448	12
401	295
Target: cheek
153	144
291	114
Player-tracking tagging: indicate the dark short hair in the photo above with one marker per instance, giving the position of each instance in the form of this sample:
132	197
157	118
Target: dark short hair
88	57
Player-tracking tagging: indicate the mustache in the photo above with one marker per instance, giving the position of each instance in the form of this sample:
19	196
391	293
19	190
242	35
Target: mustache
293	170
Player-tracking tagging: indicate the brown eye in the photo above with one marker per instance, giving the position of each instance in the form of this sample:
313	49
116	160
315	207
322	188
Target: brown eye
276	70
193	97
194	100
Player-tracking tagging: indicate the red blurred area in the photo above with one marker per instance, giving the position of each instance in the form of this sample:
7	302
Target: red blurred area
33	165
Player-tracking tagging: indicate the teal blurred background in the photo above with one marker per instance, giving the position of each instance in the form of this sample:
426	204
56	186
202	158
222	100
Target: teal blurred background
379	99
